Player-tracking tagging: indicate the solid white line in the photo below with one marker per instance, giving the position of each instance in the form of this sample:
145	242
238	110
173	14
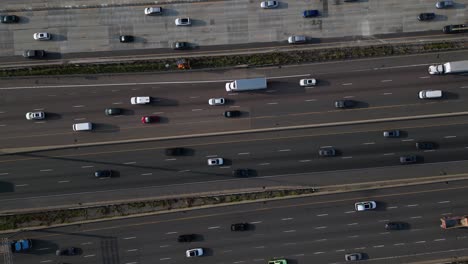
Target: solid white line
379	246
243	153
284	150
321	227
87	166
289	231
184	171
63	181
304	160
130	162
388	154
346	83
127	238
21	185
442	202
213	227
256	222
450	136
286	219
131	250
88	256
322	215
172	232
146	174
273	103
369	143
406	140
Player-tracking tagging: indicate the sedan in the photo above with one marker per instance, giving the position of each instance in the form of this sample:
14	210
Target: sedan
395	226
391	133
103	174
297	39
364	206
181	45
196	252
310	13
307	82
327	152
216	101
408	159
444	4
153	11
353	257
126	38
425	145
149	119
183	21
42	36
426	16
8	19
242	172
232	113
240	227
344	104
34	54
112	111
215	162
71	251
278	261
269	4
35	115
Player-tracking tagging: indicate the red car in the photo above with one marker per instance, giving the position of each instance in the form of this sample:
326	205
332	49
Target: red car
149	119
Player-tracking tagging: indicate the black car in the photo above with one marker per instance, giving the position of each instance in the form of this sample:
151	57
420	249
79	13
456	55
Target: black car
426	16
408	159
186	238
242	172
34	54
327	152
175	151
103	174
126	38
425	145
8	19
71	251
232	113
180	45
344	104
113	111
240	227
396	226
391	133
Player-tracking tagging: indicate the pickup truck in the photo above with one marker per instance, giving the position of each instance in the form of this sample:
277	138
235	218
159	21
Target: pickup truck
140	100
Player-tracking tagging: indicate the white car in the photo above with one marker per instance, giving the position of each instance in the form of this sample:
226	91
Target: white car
153	11
41	36
364	206
196	252
35	115
215	162
269	4
308	82
183	21
216	101
140	100
297	39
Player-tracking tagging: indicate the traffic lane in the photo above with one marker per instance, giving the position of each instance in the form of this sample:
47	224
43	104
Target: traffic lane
136	229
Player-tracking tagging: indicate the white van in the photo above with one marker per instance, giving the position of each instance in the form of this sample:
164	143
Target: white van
430	94
83	126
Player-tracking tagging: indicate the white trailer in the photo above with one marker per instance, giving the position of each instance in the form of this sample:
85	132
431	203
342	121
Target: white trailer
449	67
246	84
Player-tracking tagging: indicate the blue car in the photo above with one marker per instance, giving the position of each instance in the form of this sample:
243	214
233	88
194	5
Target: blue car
310	13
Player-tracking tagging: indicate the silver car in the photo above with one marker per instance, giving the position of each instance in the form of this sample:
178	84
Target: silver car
215	162
297	39
41	36
35	115
153	11
269	4
183	21
216	101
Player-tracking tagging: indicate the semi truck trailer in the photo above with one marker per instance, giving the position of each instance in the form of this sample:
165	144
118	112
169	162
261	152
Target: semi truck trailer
449	67
246	84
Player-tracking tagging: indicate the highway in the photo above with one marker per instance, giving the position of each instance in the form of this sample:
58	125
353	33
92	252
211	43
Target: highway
94	26
382	87
318	229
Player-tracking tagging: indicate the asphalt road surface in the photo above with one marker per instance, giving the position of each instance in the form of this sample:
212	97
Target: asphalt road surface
381	87
308	230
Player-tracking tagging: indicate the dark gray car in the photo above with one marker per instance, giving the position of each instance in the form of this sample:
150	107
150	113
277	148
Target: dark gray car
113	111
34	54
327	152
409	159
391	133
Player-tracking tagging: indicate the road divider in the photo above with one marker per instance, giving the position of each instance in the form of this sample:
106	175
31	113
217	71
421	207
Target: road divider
52	217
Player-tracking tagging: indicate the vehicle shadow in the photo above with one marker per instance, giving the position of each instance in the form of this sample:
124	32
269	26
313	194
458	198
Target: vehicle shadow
104	128
6	187
164	102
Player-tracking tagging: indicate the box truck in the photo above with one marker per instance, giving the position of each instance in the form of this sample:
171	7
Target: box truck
246	84
449	67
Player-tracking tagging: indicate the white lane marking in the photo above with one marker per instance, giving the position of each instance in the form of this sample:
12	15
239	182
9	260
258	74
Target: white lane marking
287	219
289	231
164	246
184	171
386	80
407	140
41	249
4	173
321	227
259	260
379	246
348	96
2	112
360	248
416	217
260	247
128	238
384	233
45	261
446	214
132	250
420	242
130	162
326	147
347	157
439	239
304	160
213	227
311	100
322	215
320	240
80	118
464	87
271	91
284	150
349	212
273	103
117	103
146	174
354	236
21	185
450	136
351	224
88	256
383	220
211	156
171	232
289	244
424	77
256	222
198	109
131	262
157	113
243	153
171	159
399	244
429	150
415	229
340	250
193	97
78	106
63	181
40	122
299	255
229	250
2	125
225	167
44	170
264	164
412	205
87	166
442	202
86	243
392	207
319	252
234	106
369	143
347	84
388	154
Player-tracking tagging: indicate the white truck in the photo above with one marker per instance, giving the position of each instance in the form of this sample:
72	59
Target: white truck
246	84
449	67
140	100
